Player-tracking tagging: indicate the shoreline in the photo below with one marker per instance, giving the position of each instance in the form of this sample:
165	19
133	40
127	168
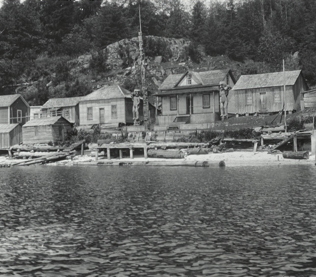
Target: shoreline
225	159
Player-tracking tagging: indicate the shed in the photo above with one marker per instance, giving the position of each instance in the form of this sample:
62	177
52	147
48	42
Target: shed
10	134
264	93
44	130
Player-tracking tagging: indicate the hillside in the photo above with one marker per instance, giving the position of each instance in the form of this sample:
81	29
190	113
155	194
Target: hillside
63	76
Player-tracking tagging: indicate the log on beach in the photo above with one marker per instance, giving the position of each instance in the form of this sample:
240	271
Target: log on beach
167	154
296	155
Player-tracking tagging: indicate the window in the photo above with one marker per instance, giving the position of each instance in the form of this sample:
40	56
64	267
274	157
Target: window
89	113
114	111
173	103
19	116
66	113
206	101
189	79
36	115
277	97
248	98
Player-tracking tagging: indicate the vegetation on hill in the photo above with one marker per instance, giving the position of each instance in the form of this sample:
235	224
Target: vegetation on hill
43	42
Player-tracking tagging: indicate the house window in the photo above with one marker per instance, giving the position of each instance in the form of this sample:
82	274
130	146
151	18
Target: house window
189	79
114	111
248	98
35	115
277	97
173	103
66	113
89	113
206	101
19	116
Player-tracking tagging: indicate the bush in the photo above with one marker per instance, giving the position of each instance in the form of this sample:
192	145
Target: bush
295	124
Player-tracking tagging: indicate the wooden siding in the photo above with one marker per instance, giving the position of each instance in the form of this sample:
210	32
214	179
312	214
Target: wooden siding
46	133
9	139
106	105
4	115
19	104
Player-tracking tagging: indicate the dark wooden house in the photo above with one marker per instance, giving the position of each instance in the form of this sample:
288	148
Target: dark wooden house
264	93
10	134
47	129
13	109
67	107
107	105
192	96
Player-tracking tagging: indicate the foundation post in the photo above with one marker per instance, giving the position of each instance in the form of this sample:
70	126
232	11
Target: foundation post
108	153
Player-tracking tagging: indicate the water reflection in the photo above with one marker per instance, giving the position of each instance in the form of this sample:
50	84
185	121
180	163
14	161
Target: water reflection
111	221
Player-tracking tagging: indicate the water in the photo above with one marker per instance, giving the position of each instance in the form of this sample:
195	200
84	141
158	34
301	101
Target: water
146	221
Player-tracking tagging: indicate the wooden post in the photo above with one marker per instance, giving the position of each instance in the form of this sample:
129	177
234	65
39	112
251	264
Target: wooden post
295	143
97	155
131	153
145	152
10	153
190	104
156	111
121	153
108	153
82	149
262	141
177	104
255	145
214	117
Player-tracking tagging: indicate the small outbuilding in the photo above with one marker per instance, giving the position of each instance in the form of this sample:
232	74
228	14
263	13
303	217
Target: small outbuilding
264	93
44	130
13	109
10	134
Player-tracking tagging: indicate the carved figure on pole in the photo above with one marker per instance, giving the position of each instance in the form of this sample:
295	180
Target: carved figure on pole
223	98
136	103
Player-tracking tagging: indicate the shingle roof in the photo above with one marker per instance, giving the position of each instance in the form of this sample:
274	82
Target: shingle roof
62	102
274	79
108	92
6	128
207	78
43	121
7	100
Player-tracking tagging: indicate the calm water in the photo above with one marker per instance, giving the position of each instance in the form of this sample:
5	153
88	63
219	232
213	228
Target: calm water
144	221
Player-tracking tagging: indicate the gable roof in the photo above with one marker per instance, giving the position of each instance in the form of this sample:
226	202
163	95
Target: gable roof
206	78
274	79
44	121
8	100
6	128
108	92
62	102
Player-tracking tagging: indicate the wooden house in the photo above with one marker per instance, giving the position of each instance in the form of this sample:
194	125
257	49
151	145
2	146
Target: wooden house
46	129
35	112
10	134
108	105
13	109
67	107
192	97
264	93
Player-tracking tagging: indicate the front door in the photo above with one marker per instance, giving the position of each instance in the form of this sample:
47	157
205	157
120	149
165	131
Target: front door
189	105
101	115
263	102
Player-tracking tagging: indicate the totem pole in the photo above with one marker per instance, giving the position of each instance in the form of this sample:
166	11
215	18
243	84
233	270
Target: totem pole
136	103
143	75
223	98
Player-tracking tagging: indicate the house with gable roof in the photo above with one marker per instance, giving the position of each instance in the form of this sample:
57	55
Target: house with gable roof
108	105
13	109
264	93
192	97
67	107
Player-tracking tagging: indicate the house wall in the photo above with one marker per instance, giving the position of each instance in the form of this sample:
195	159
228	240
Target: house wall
4	115
59	131
9	139
106	104
237	100
299	87
19	104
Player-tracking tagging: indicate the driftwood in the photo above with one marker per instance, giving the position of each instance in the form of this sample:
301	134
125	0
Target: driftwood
35	148
296	155
168	154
